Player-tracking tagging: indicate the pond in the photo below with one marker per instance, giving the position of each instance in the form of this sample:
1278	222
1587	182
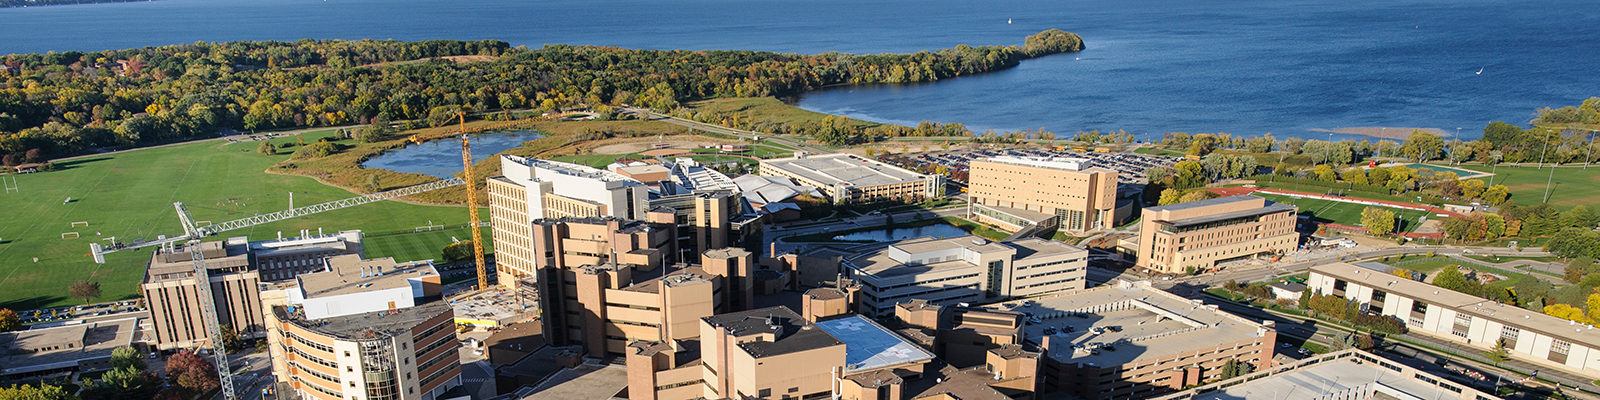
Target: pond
884	235
442	158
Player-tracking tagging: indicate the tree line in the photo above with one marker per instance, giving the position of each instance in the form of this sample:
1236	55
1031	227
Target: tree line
71	103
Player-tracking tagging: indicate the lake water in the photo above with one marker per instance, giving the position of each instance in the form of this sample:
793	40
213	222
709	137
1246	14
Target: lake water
442	158
1237	66
884	235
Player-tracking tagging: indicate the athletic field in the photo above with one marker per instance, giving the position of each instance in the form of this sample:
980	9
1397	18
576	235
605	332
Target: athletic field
1343	213
1569	186
419	246
129	196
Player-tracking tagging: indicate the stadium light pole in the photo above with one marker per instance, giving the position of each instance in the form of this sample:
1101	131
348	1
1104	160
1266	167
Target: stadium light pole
1591	150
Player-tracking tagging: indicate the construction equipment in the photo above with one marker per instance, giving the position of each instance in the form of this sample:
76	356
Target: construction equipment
99	251
472	190
202	279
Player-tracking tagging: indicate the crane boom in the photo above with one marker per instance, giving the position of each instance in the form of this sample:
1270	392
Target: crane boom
202	281
196	232
472	204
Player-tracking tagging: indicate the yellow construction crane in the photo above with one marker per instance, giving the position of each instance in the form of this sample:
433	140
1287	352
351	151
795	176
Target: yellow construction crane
472	189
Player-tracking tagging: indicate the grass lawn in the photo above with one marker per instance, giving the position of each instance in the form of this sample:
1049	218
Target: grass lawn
977	228
1570	186
129	195
1426	265
1156	151
594	160
421	245
1501	259
1343	213
767	109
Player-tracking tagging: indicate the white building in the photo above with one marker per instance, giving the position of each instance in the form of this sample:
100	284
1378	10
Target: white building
963	269
1463	318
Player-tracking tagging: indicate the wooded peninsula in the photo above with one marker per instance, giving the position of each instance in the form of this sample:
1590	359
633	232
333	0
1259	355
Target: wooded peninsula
69	103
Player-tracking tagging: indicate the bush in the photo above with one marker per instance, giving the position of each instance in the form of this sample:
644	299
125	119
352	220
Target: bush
318	150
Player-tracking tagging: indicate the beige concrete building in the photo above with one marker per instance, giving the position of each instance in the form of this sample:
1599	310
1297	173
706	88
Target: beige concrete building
1458	317
962	336
51	353
963	269
1347	374
1131	340
363	330
774	353
284	258
172	296
1199	234
1017	193
703	206
847	178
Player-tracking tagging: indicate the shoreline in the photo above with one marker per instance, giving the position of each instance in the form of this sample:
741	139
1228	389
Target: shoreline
1384	132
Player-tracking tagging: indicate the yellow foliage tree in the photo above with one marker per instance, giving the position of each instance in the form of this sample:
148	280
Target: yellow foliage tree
1567	312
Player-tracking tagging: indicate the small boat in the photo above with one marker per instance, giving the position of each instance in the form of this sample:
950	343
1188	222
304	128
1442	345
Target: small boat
1480	71
1008	21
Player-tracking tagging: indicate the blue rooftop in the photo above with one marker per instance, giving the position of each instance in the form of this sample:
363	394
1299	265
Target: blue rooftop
869	346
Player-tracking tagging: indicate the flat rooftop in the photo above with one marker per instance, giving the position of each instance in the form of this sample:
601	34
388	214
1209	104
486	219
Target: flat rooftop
586	381
372	324
350	274
868	345
1461	302
47	349
1061	163
1269	208
570	169
1334	378
1205	203
1137	321
791	332
846	169
878	261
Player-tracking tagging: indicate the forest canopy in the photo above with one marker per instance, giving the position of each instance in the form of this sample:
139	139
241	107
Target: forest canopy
66	103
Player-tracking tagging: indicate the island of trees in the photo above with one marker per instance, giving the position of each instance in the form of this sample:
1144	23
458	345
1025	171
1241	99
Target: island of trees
68	103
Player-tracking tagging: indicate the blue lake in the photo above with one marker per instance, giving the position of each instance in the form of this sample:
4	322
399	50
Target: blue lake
1238	66
442	158
884	235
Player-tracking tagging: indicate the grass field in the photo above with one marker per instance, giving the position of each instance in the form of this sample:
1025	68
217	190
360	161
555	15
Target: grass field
1343	213
758	109
419	246
1570	186
129	196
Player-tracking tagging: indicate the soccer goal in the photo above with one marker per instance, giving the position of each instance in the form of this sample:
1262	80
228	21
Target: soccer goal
202	223
76	224
69	235
430	227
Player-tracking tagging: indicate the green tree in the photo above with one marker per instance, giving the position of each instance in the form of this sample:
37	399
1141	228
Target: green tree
458	251
127	357
9	321
1499	354
1451	278
1472	188
28	392
230	338
1496	194
1422	146
85	290
1234	368
266	148
1578	217
1196	195
1378	220
125	383
1170	196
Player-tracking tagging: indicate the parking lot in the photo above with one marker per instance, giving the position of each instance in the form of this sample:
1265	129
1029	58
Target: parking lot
1130	167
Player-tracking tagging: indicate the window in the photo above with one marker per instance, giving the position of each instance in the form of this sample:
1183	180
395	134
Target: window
1462	326
1419	307
1561	347
1509	333
764	393
1339	284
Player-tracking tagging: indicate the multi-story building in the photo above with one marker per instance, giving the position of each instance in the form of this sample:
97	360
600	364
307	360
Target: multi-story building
962	336
1131	340
847	178
1458	317
1199	234
1021	192
963	269
363	330
1347	374
283	259
774	353
171	293
236	268
532	189
703	205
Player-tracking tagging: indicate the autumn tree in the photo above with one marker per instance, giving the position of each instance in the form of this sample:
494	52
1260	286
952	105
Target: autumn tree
1170	196
1496	194
192	372
1422	146
9	321
266	148
1378	220
85	290
1196	196
230	338
30	392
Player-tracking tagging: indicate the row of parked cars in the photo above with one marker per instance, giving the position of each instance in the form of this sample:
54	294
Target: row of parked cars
1130	167
70	312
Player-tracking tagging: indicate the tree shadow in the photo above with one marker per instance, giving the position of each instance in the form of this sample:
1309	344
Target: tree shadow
32	303
66	165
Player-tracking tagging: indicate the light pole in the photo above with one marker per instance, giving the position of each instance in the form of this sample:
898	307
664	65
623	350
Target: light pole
1492	168
1546	148
1591	150
1455	143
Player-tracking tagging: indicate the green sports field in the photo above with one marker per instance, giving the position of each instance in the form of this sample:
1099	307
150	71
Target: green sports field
1569	186
1343	213
129	196
418	246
